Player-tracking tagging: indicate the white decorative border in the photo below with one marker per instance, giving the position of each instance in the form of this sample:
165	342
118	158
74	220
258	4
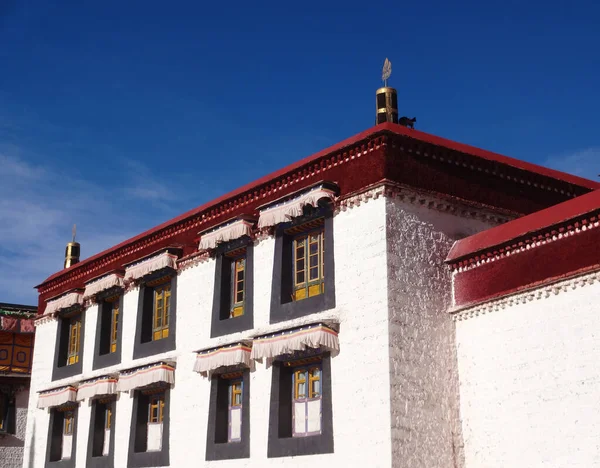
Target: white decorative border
541	292
425	200
548	237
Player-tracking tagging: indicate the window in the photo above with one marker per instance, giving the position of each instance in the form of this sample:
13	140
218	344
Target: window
61	433
307	401
156	316
235	411
150	430
108	418
107	350
74	340
301	406
303	279
156	409
228	434
238	277
68	423
68	354
162	305
101	435
233	295
308	265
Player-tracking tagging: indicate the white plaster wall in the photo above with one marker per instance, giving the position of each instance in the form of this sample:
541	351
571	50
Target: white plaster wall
423	372
38	419
530	382
11	445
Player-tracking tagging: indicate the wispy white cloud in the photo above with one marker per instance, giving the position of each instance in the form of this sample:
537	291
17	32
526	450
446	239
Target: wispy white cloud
584	163
39	205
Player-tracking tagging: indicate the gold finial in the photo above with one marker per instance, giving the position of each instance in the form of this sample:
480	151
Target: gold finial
386	72
72	251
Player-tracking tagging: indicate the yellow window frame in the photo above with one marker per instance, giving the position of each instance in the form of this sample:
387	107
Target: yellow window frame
114	325
161	308
68	423
307	376
305	262
238	287
108	418
156	409
74	341
236	389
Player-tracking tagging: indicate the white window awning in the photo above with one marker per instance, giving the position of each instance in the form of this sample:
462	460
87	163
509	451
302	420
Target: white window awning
63	302
208	361
155	263
102	284
299	339
97	387
288	209
225	233
144	376
57	397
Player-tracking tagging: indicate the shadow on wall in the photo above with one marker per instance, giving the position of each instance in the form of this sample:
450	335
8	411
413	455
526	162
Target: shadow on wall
10	440
31	446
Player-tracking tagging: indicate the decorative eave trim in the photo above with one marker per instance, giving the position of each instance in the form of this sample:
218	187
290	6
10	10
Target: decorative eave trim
389	189
522	244
203	220
192	260
542	292
478	165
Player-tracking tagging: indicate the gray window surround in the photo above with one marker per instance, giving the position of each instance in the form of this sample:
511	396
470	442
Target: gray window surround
280	440
217	421
60	368
221	324
282	306
102	358
55	431
138	458
144	346
106	461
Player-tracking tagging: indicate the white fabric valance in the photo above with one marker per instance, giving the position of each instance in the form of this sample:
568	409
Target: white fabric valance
299	339
148	375
57	397
208	361
286	210
158	262
231	231
97	387
102	284
64	302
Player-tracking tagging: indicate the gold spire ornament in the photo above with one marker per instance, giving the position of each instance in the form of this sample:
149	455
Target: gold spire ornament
72	251
386	98
386	72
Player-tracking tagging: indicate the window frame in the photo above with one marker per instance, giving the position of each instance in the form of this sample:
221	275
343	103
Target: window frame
281	439
161	292
283	305
219	445
8	412
222	323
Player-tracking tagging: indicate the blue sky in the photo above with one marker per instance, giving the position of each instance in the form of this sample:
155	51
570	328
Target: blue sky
120	115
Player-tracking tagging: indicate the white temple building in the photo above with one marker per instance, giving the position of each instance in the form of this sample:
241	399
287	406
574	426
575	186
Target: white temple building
396	300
